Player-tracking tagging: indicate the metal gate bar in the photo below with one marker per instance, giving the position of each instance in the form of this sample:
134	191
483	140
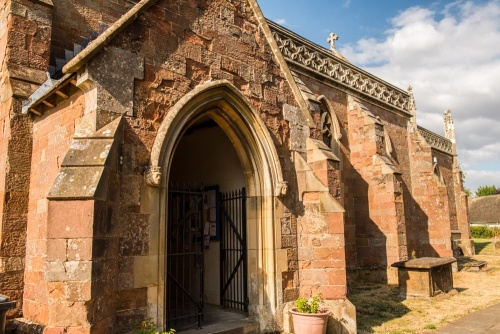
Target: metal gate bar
233	256
184	298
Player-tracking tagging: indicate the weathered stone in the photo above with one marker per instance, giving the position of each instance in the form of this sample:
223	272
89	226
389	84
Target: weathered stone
338	174
425	277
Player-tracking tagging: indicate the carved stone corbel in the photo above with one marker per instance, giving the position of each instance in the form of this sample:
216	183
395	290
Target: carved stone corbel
152	177
281	189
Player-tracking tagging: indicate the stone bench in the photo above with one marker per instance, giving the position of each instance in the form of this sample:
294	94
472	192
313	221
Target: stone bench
475	266
425	277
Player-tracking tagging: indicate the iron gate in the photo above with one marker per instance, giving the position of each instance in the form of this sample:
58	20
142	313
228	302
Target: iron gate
184	297
233	256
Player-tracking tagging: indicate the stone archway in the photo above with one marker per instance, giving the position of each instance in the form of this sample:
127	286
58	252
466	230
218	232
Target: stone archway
224	104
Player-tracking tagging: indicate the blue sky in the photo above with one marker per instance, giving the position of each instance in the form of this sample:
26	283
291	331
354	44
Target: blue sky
449	51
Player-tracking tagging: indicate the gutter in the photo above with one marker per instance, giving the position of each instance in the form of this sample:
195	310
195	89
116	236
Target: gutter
45	90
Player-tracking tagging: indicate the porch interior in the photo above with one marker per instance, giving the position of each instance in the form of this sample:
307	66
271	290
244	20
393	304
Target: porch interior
219	320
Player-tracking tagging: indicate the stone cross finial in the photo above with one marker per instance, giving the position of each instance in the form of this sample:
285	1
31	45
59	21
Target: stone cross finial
331	39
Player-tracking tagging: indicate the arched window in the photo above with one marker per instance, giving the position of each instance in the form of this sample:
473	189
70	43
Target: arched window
330	126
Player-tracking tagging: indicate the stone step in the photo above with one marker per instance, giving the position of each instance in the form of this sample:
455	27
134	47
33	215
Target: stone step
229	327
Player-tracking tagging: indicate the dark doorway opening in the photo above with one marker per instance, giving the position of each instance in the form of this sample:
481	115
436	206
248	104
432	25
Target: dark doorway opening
206	249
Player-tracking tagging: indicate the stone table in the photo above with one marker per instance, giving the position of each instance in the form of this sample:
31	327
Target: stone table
425	276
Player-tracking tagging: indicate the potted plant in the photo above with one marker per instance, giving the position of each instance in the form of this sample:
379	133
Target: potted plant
149	327
308	316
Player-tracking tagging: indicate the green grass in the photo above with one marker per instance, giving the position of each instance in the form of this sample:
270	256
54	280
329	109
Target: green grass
430	326
375	305
485	247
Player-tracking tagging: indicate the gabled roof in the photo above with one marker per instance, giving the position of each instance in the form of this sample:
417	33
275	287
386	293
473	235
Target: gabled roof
288	47
51	91
484	209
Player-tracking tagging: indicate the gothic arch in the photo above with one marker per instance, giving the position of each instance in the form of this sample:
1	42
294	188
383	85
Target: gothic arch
437	174
225	105
329	119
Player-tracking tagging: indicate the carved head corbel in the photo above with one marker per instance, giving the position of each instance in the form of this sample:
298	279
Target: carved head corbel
152	177
281	189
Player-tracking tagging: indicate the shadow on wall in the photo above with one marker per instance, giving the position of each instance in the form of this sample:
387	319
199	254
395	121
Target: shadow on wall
417	228
133	231
370	241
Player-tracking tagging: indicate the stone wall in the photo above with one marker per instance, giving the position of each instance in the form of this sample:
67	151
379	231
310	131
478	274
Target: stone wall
93	237
377	195
429	231
52	136
361	157
25	28
77	22
445	165
188	45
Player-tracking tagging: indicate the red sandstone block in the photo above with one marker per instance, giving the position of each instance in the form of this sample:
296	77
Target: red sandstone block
71	314
79	249
57	291
337	276
321	254
79	291
305	264
43	128
34	311
305	254
36	263
335	222
79	330
54	330
333	291
313	277
79	224
311	196
323	264
33	277
339	253
56	250
331	241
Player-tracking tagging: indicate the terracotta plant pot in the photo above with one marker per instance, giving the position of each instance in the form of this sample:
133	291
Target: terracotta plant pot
310	323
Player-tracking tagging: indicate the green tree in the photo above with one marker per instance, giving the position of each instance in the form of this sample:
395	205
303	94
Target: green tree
467	192
486	191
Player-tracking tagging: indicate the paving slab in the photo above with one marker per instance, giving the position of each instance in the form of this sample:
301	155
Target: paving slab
486	321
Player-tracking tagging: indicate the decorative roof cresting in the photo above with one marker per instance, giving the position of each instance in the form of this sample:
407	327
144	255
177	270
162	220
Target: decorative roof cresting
436	141
334	66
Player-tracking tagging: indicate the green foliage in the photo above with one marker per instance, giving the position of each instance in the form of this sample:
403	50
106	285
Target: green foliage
311	305
467	192
149	327
430	326
486	191
481	232
484	232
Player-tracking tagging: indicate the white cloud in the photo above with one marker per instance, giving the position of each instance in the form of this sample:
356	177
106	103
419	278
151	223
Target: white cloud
280	21
451	56
477	178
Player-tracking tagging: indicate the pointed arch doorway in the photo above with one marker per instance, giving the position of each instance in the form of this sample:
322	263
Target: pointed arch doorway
206	227
217	112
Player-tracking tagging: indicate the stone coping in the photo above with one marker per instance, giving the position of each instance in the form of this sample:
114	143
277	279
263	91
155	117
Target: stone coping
425	262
